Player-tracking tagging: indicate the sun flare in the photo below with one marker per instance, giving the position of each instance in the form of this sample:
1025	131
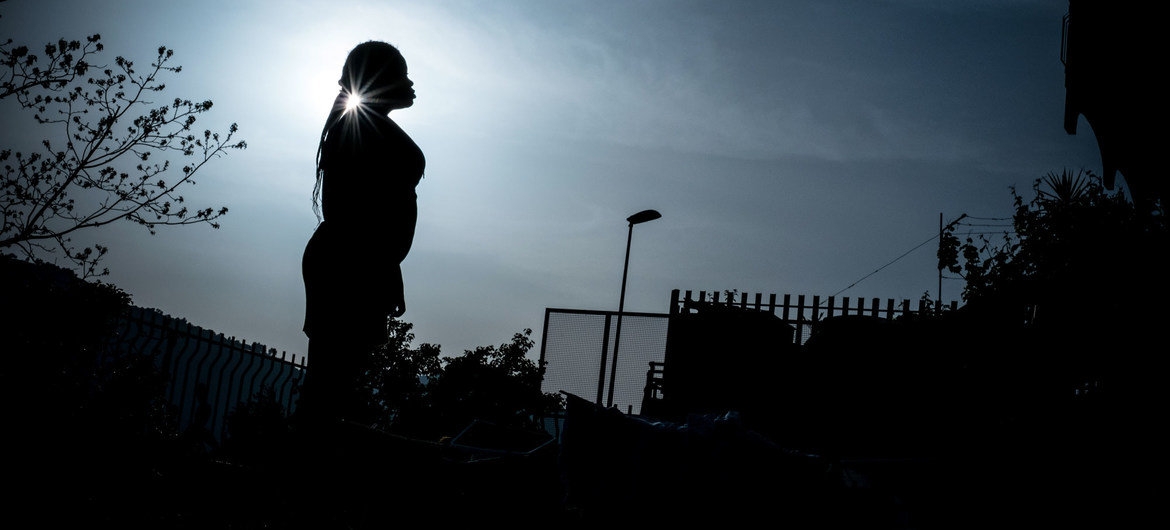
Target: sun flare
353	102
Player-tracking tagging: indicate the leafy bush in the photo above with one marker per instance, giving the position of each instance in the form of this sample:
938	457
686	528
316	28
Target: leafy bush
415	392
1074	242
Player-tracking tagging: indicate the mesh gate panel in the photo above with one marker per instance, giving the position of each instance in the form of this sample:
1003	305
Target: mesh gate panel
572	348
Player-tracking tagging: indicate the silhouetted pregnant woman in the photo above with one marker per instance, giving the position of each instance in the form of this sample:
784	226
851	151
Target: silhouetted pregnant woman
367	169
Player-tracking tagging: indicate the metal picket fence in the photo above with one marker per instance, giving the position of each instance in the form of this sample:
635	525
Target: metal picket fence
206	368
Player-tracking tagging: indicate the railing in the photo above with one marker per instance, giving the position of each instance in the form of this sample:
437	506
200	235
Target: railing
576	345
206	368
654	381
802	316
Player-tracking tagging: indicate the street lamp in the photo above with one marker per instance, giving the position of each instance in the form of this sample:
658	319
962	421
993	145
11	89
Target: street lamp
638	218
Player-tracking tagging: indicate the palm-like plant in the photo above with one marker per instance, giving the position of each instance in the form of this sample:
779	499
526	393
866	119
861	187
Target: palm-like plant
1064	188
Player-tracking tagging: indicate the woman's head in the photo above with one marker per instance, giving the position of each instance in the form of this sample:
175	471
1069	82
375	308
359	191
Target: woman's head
376	72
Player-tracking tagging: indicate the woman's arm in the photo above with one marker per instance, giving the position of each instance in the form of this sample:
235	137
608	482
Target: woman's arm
397	292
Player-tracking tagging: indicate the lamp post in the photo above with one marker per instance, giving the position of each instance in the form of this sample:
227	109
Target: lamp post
638	218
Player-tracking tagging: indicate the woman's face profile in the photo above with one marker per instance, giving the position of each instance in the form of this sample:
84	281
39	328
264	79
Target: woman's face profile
384	85
375	78
399	92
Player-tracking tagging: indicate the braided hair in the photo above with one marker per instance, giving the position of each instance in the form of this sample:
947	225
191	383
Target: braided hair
364	71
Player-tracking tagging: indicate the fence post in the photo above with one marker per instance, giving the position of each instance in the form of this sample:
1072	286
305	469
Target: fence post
604	354
800	315
544	333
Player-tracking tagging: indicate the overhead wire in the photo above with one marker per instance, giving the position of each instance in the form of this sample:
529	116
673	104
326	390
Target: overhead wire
916	247
957	221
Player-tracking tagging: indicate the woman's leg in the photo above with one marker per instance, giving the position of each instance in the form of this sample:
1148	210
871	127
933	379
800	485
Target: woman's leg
332	388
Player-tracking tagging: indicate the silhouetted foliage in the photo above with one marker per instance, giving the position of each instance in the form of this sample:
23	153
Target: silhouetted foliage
57	328
1056	339
415	392
129	398
83	413
394	385
497	384
54	327
347	471
23	70
399	375
99	128
1071	290
1073	239
256	428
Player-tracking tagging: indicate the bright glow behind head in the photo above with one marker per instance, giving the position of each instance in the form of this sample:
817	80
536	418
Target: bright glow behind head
353	102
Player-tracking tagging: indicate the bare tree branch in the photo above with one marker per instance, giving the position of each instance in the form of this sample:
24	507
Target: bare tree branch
80	178
63	62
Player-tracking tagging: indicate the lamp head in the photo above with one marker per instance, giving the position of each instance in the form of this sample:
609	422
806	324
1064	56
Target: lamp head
643	216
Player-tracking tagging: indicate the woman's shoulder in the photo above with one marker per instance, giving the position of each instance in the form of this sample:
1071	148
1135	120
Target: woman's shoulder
349	129
372	143
355	131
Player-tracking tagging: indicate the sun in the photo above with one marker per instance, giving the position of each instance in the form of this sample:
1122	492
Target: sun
352	102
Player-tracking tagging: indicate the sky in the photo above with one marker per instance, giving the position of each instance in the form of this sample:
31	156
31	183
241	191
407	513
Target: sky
792	147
